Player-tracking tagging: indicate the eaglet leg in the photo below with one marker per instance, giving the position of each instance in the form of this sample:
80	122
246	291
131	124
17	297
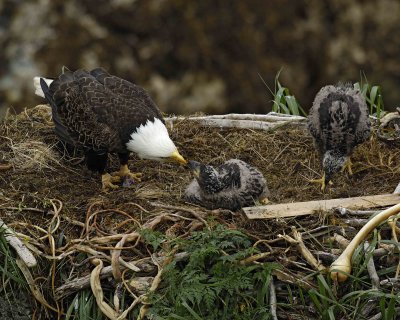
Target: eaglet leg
124	172
347	166
320	181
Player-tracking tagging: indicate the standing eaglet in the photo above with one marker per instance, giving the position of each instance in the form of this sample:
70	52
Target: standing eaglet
232	185
101	113
338	121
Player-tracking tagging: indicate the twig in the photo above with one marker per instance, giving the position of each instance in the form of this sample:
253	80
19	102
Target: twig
355	222
192	212
342	241
272	299
22	251
254	258
327	257
346	211
297	240
391	283
144	265
371	268
292	279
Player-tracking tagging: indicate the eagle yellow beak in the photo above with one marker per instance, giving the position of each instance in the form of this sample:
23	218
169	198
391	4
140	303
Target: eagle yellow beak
175	156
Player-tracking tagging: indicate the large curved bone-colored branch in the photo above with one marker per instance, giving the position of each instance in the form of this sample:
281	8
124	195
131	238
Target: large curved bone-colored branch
342	266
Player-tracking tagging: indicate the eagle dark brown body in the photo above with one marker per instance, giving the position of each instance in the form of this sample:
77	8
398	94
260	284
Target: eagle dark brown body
102	113
338	122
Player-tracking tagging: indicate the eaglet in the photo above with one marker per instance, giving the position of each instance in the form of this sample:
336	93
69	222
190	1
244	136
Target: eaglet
232	185
338	121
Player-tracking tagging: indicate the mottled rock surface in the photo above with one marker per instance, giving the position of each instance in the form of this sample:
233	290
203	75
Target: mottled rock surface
202	55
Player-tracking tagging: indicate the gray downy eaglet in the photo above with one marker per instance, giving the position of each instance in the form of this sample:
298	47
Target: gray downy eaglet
232	185
338	121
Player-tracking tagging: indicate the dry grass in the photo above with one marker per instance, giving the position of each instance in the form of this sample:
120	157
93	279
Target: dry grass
50	197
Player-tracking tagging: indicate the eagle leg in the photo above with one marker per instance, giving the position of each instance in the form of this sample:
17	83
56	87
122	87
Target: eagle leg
347	166
107	182
124	172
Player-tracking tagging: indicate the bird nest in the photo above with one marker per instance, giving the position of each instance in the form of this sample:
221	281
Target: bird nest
51	200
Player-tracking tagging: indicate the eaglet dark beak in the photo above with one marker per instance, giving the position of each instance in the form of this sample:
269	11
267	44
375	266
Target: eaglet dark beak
195	167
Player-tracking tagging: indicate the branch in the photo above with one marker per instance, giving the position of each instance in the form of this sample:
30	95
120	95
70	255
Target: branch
242	121
22	251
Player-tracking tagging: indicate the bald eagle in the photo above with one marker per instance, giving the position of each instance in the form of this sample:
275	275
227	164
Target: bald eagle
101	113
232	185
338	122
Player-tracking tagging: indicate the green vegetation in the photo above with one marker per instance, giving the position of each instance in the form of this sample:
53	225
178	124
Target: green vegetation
212	284
13	284
84	306
283	101
357	297
373	96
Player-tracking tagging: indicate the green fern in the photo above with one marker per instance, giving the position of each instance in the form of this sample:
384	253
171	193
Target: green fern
211	284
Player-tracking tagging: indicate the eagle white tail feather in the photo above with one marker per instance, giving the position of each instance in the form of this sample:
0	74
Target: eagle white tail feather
38	88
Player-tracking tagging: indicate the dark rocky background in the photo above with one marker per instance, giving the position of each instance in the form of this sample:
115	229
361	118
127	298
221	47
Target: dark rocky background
202	55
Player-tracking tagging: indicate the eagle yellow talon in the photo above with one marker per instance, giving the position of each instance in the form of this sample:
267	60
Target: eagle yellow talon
124	172
107	182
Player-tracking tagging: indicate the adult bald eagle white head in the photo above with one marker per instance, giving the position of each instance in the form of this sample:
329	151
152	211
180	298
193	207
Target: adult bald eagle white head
102	114
338	122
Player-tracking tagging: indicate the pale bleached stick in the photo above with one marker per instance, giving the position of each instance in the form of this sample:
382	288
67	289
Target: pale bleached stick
238	124
272	299
346	211
303	250
397	190
22	251
271	117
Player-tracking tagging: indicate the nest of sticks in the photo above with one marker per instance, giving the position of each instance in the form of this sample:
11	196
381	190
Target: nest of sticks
55	205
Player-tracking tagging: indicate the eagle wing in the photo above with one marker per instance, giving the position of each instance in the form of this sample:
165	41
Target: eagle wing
97	110
134	106
81	106
338	119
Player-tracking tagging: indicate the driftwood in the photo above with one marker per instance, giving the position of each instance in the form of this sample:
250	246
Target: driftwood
23	252
265	122
303	208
